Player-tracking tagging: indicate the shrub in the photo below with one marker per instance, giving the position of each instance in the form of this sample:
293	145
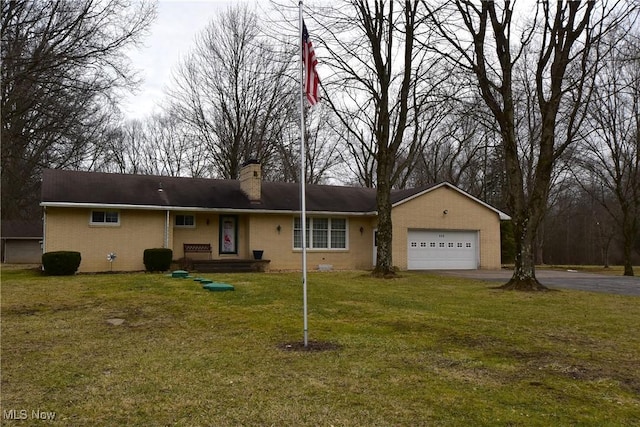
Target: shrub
61	263
157	259
507	242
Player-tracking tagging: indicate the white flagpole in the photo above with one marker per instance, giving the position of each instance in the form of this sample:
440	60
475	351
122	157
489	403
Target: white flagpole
303	201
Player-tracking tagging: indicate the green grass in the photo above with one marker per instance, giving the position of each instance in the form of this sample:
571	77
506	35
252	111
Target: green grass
418	350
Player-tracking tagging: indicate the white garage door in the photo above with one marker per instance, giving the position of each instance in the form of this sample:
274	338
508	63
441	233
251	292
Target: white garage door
442	249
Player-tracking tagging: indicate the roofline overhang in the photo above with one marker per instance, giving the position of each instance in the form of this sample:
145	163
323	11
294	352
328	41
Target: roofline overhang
195	209
503	216
19	238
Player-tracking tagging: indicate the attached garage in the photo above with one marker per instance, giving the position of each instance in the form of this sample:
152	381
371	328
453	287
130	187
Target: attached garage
442	249
442	228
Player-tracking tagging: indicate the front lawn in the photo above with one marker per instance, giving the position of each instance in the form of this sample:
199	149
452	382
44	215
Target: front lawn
147	350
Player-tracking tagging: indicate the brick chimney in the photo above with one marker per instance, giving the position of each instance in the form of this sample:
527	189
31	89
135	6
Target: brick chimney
251	180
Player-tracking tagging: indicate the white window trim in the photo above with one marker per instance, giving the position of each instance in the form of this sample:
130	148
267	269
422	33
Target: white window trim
104	223
175	218
310	247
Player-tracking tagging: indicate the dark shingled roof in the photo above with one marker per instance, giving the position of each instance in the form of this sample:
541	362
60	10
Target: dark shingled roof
19	229
62	186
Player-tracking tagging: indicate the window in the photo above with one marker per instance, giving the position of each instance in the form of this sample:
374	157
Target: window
321	233
185	221
320	236
423	244
339	233
432	244
105	217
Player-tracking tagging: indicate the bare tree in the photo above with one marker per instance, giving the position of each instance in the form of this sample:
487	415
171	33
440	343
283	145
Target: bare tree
456	148
173	150
125	149
234	92
156	145
483	38
612	141
62	64
381	79
322	149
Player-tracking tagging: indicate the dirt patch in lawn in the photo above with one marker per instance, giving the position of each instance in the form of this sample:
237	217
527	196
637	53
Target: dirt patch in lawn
312	346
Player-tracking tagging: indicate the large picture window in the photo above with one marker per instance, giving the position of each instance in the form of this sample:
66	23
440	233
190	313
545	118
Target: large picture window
322	233
105	218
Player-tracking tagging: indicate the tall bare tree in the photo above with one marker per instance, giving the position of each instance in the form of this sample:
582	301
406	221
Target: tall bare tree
489	39
234	91
62	64
322	149
125	151
611	140
456	149
380	79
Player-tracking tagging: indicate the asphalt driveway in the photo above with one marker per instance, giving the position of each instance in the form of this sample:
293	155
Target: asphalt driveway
556	279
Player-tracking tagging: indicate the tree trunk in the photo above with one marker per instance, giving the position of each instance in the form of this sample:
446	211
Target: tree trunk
384	259
524	273
384	264
629	231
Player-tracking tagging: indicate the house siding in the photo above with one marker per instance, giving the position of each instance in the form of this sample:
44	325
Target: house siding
278	246
426	213
201	233
68	229
139	229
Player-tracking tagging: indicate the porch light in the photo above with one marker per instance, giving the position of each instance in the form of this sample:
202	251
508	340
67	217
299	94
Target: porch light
278	228
361	230
446	211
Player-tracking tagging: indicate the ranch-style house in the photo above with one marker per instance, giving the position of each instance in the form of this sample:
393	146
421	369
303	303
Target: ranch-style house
96	214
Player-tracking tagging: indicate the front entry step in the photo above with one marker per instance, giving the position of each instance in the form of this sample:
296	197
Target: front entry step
231	265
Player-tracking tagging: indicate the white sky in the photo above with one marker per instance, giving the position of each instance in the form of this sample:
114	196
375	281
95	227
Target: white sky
171	38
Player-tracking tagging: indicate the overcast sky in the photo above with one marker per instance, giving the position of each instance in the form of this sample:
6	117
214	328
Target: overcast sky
172	36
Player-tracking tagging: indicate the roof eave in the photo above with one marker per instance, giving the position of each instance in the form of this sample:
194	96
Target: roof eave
194	209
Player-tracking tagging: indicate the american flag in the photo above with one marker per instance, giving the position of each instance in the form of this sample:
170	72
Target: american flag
311	79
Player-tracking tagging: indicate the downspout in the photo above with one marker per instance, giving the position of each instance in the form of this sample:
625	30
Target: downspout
166	229
44	230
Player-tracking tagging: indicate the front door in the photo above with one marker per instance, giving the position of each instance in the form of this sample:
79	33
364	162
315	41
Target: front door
228	243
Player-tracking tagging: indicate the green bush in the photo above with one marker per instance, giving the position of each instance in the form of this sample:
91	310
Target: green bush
507	242
158	259
61	263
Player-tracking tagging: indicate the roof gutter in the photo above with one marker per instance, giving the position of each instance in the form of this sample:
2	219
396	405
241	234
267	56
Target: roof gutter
194	209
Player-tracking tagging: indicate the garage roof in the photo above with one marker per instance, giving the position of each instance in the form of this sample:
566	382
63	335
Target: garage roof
19	229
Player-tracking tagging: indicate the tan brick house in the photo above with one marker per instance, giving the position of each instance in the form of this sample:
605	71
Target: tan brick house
436	227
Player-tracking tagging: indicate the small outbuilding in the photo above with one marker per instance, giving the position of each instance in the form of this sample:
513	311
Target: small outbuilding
21	242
